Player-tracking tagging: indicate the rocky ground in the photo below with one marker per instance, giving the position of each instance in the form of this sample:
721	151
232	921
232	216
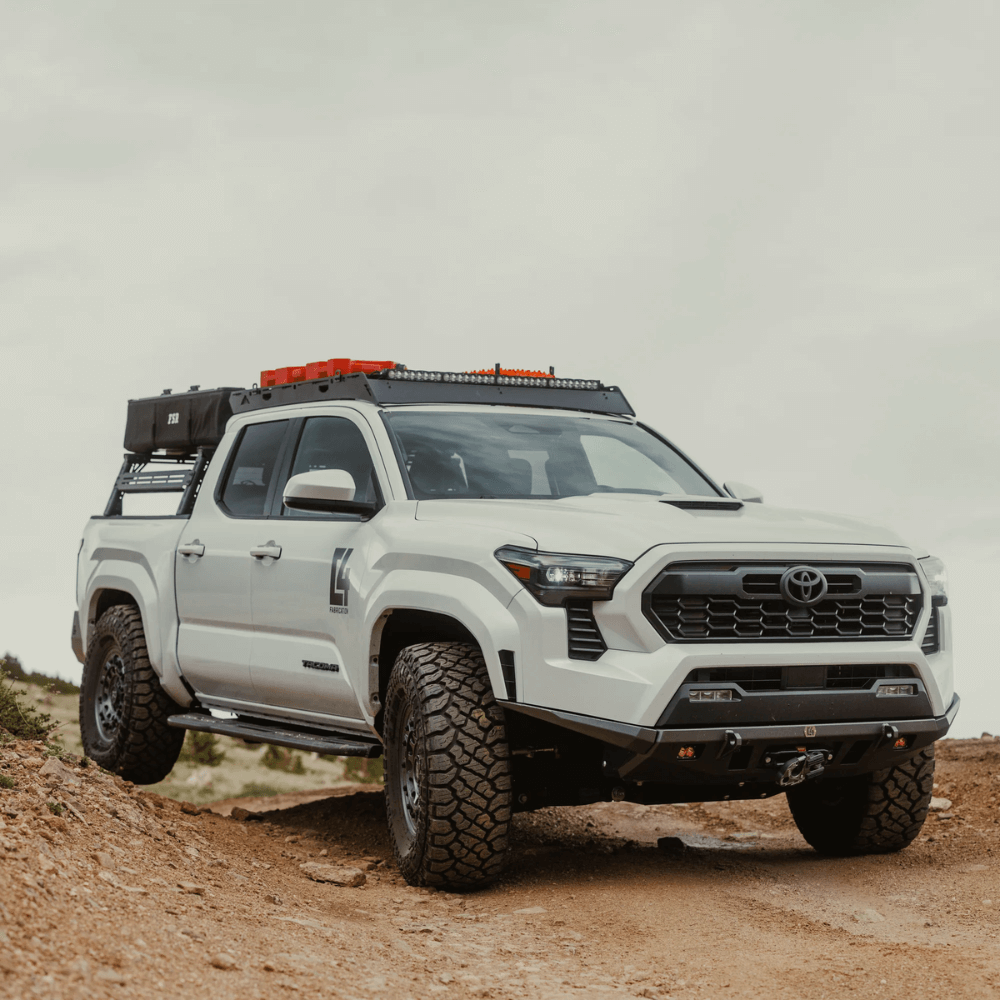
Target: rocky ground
110	891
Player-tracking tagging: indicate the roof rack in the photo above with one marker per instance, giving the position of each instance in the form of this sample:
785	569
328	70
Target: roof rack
400	386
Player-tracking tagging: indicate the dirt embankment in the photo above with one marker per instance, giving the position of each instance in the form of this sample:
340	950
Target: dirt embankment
127	895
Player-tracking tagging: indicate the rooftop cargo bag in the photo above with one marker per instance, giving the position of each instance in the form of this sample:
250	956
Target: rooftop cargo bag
181	423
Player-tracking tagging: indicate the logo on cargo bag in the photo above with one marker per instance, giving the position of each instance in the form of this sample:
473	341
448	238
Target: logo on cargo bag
340	581
173	418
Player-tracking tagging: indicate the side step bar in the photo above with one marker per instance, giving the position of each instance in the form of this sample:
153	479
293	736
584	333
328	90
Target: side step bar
332	743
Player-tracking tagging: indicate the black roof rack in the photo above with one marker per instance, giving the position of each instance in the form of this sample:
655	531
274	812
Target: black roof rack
398	386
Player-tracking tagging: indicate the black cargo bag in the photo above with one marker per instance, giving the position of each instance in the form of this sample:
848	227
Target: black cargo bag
182	423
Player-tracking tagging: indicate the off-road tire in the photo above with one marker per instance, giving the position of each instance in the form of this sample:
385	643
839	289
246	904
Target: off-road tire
873	814
448	776
123	709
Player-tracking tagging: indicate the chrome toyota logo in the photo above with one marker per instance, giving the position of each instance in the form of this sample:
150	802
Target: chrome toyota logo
803	585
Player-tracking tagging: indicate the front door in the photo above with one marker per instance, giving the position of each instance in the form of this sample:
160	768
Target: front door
213	568
306	616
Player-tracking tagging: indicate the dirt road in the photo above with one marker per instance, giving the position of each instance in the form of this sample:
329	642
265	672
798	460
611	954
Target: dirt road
128	896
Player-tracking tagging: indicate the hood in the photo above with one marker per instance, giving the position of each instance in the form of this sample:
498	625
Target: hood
626	525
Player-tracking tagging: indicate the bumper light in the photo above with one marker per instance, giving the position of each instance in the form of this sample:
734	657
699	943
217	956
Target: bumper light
711	694
555	577
896	689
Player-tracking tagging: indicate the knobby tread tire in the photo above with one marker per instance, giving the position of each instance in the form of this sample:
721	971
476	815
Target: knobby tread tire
877	813
464	808
144	748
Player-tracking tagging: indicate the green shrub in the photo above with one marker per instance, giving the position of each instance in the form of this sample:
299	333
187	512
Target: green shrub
6	781
282	759
202	748
17	717
255	790
56	808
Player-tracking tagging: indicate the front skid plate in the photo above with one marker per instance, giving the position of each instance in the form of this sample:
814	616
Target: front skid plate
260	732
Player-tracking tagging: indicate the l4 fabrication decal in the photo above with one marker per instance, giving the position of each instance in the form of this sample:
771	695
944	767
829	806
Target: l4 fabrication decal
340	581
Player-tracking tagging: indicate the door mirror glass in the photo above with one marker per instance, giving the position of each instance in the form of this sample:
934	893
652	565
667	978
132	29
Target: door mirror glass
740	491
326	490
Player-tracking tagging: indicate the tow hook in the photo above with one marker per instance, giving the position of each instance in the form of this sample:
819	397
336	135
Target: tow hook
794	767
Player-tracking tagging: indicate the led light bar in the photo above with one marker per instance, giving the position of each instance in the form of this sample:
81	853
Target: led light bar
474	378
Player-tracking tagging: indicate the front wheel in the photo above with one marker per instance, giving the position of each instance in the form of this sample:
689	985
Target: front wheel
872	814
448	780
123	709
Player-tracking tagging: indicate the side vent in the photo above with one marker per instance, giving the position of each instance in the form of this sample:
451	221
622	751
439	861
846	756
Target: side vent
932	637
509	680
584	637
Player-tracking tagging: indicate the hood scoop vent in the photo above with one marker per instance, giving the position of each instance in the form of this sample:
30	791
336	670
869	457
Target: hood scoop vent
705	504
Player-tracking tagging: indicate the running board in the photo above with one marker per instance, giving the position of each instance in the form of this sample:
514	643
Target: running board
332	743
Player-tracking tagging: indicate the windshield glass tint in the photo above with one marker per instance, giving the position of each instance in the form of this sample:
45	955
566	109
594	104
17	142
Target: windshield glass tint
500	454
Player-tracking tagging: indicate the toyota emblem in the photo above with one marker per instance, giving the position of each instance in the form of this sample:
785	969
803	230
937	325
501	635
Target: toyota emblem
803	585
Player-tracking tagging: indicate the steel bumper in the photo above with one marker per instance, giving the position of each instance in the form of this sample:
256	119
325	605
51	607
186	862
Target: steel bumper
745	756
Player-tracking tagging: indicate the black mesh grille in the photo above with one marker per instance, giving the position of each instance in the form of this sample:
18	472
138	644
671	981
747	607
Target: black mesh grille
725	602
847	677
932	637
584	637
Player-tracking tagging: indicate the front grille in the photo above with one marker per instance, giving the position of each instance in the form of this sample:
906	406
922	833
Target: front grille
840	677
725	602
932	637
584	637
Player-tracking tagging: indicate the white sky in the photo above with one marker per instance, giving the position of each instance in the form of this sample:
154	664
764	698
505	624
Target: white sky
776	225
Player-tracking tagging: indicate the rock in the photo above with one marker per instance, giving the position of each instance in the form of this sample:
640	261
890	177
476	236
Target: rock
940	805
245	815
191	809
192	888
868	916
987	902
55	768
274	900
104	859
224	960
743	836
334	874
532	910
269	967
110	976
672	845
292	839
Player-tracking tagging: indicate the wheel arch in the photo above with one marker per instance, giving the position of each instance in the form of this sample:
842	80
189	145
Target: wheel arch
402	620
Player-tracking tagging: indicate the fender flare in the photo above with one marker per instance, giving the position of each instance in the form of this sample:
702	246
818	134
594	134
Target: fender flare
466	601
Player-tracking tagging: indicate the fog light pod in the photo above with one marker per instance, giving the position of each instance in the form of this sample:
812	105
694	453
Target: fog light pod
711	694
686	753
901	744
887	690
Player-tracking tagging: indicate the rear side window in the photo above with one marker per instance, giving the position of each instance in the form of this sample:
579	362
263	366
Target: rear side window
335	443
252	470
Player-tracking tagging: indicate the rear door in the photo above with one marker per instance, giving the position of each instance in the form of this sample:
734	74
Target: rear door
306	614
214	561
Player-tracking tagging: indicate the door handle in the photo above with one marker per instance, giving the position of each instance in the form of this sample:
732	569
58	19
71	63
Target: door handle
194	548
268	549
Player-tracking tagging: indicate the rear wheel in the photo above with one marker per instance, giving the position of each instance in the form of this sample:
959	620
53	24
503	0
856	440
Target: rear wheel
123	709
448	780
873	814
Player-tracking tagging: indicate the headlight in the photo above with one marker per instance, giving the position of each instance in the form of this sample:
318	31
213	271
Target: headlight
555	577
937	580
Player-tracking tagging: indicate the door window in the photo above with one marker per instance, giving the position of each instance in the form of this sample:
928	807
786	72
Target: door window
252	469
335	443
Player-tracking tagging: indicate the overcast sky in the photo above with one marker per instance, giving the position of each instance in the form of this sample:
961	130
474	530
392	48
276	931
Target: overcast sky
774	224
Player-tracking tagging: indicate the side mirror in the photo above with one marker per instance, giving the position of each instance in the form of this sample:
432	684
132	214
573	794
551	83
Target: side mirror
740	491
330	491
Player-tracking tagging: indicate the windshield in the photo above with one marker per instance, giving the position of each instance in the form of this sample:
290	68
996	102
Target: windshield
497	454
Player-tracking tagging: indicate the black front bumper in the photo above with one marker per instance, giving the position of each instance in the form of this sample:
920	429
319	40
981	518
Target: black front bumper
744	758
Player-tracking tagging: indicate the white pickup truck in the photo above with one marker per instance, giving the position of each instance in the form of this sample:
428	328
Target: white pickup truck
521	596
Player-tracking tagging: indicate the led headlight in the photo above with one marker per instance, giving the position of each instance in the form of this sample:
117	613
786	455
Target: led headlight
937	580
556	577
